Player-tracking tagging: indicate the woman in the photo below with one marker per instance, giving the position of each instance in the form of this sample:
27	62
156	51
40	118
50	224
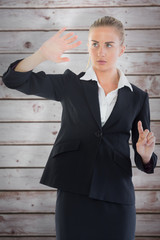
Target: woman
90	161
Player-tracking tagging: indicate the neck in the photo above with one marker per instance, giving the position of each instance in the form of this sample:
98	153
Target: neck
108	77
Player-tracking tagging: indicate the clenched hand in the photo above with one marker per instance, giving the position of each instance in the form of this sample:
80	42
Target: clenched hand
146	143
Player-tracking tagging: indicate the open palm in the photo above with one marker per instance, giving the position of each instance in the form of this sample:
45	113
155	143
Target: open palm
54	47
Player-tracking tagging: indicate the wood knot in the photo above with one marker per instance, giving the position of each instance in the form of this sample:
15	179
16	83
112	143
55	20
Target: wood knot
54	133
47	18
1	83
27	44
13	231
2	219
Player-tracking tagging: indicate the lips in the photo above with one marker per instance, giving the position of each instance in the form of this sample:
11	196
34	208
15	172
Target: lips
102	62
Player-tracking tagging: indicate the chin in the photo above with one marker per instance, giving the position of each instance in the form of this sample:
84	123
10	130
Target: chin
102	68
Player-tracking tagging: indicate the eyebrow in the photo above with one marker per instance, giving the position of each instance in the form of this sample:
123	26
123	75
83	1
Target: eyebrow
105	42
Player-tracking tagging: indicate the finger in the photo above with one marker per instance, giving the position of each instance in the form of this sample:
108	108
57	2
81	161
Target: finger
67	35
61	31
151	141
151	134
140	128
146	132
63	59
72	39
74	45
143	136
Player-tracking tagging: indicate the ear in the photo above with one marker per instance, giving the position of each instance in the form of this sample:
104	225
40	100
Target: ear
122	50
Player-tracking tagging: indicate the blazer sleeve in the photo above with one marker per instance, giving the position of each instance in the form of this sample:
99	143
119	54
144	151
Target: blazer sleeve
50	86
144	116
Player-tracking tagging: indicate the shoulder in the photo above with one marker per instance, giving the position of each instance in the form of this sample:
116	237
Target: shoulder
141	98
139	92
72	74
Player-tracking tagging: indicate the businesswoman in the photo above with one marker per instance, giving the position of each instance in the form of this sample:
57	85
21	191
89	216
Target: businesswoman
90	161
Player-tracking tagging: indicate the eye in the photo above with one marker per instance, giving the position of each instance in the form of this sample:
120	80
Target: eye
95	44
108	45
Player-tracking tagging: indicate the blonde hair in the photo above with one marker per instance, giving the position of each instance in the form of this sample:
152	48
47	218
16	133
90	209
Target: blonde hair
111	22
108	21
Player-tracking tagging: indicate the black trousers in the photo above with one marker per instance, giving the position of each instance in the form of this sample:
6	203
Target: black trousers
79	217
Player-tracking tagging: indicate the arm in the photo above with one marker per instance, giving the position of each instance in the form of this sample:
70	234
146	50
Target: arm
29	63
145	158
49	86
51	50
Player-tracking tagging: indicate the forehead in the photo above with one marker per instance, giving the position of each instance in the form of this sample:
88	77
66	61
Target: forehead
104	34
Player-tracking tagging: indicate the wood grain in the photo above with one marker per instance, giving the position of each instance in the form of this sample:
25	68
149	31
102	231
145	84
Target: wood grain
144	238
24	156
30	127
147	201
73	4
28	202
36	156
41	133
36	110
54	238
37	238
130	63
29	224
44	224
40	238
148	224
28	179
143	181
148	83
29	42
28	133
45	201
77	18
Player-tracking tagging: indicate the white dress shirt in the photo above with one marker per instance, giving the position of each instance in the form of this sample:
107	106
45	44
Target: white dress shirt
107	102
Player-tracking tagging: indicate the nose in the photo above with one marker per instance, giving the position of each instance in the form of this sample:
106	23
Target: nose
101	51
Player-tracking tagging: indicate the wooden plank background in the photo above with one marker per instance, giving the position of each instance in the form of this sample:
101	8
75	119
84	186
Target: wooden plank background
29	124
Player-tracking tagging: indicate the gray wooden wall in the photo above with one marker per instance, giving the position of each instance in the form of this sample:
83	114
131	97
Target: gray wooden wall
29	124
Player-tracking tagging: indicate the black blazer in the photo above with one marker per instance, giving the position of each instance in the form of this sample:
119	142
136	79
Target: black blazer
87	158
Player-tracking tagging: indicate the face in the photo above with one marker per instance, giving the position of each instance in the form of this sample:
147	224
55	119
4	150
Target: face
104	48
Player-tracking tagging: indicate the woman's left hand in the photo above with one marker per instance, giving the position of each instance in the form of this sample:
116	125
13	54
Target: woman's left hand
146	143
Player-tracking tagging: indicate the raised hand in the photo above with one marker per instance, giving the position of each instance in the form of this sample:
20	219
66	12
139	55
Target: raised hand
54	47
146	143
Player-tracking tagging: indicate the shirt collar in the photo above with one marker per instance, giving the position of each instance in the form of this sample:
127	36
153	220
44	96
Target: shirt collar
91	75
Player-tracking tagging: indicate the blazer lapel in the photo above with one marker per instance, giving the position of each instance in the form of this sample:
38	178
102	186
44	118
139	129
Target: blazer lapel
120	107
91	94
122	103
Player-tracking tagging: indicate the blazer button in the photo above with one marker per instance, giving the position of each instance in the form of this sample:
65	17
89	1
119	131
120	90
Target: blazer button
98	134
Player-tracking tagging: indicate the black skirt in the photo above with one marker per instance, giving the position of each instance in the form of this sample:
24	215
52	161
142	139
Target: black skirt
79	217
